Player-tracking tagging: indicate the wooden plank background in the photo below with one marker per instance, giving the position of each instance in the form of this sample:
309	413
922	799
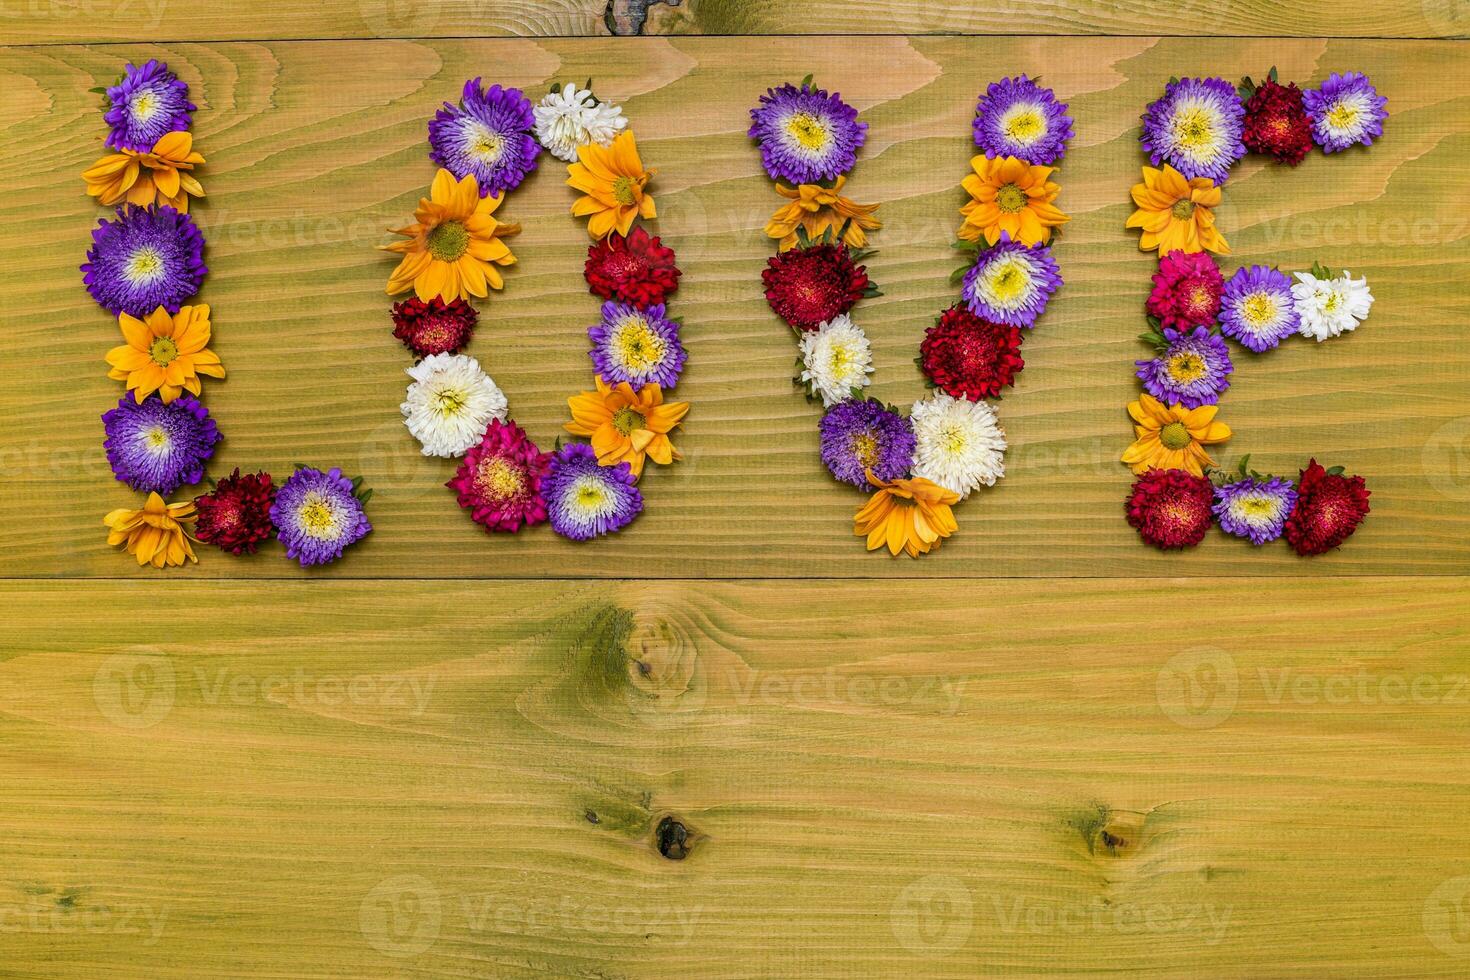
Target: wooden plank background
1074	755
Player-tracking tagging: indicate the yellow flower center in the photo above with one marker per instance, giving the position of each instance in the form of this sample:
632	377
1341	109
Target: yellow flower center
808	130
838	358
1257	507
1342	116
1024	126
1007	282
624	191
1259	309
865	448
156	438
499	480
638	346
163	350
449	401
144	106
1333	301
1175	436
953	439
486	145
1183	209
316	516
626	420
145	265
449	241
1193	129
591	495
1010	198
1186	367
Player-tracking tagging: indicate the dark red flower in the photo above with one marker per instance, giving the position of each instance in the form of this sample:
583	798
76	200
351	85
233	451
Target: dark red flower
970	357
1171	508
1186	291
236	514
808	286
435	327
1329	508
1276	123
637	269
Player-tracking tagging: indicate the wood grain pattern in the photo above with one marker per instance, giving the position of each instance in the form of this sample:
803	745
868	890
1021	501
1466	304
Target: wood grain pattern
92	21
353	781
303	177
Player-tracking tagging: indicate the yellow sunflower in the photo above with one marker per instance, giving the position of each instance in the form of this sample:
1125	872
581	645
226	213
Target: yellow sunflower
1172	437
1009	195
454	245
1175	213
165	353
162	175
912	515
819	210
157	535
625	426
612	181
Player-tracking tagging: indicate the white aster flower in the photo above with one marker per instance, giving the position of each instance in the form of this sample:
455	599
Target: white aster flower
959	444
1329	307
450	403
837	358
569	118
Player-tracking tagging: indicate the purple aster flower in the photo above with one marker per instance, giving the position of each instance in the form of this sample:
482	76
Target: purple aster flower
637	346
317	515
156	447
146	103
585	500
147	258
805	134
859	435
1196	127
489	135
1018	118
1256	308
1193	370
1011	283
1347	109
1255	508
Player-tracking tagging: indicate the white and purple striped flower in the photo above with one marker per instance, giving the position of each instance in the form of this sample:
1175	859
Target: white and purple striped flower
1255	508
585	500
489	135
1196	127
805	134
639	346
317	515
1346	110
1011	283
1018	118
1256	308
1193	370
147	258
157	447
145	104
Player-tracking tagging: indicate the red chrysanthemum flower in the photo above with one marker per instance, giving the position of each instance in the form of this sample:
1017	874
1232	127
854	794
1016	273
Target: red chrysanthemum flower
499	481
236	514
1276	123
1329	508
1171	508
806	287
970	357
1186	291
435	327
637	269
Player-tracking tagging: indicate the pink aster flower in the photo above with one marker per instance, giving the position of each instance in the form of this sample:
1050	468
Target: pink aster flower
499	481
1186	290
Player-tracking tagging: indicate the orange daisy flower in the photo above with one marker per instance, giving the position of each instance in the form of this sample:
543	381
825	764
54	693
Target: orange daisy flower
454	246
165	353
162	175
818	210
1172	437
612	180
1009	195
911	515
627	427
157	535
1175	213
